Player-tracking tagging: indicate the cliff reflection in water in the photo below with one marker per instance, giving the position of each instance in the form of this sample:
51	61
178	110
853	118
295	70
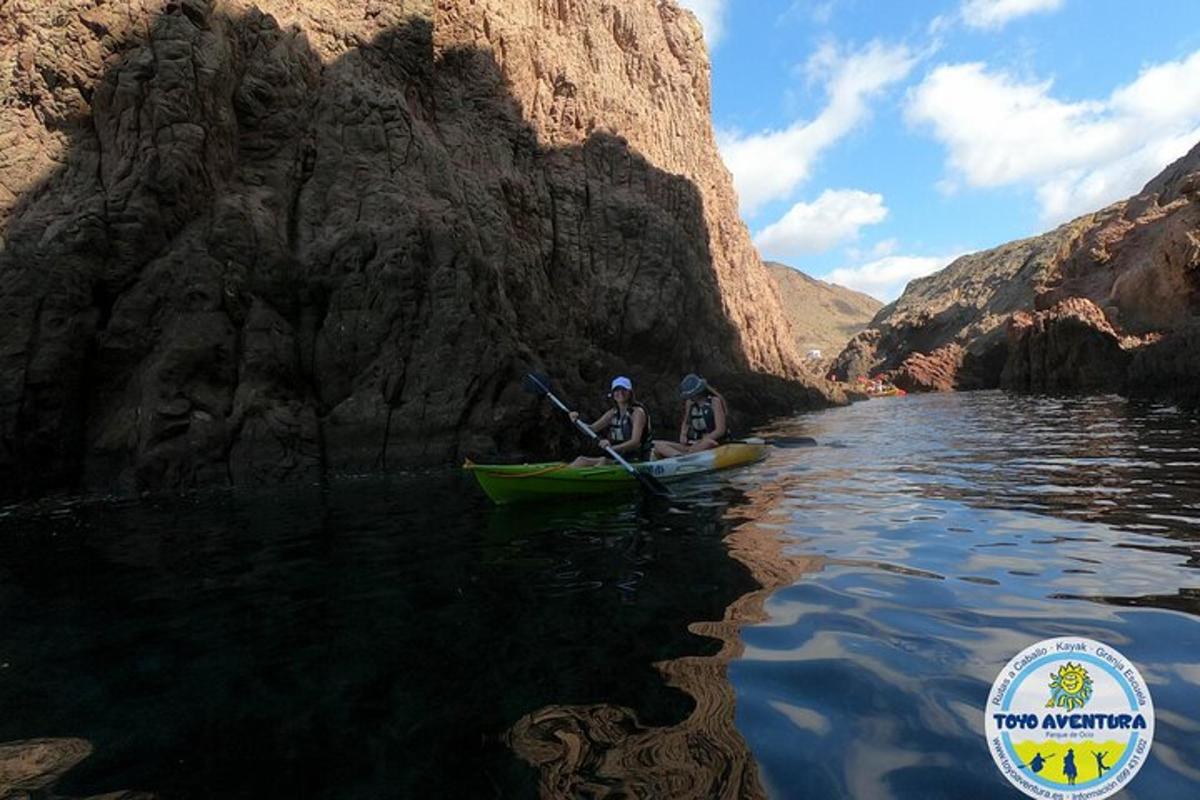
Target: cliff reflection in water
824	624
603	749
375	637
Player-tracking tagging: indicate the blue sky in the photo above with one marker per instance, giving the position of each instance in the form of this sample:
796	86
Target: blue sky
872	141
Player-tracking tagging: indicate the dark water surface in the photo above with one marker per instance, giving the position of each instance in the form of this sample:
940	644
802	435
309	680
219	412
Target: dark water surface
825	624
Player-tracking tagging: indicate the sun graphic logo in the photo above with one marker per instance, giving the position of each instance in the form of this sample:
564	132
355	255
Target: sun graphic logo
1089	739
1070	687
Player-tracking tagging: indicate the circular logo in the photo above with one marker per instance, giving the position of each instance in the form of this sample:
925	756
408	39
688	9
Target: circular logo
1069	717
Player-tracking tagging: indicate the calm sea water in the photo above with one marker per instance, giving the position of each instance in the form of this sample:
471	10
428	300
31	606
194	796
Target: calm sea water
825	624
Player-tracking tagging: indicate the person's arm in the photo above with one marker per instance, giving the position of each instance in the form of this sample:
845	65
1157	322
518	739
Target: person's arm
639	429
718	420
597	424
605	418
683	426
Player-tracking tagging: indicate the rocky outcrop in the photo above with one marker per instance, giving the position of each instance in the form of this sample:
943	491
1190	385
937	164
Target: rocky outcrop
1070	347
1140	260
966	304
823	316
31	767
256	241
934	372
1115	287
1167	366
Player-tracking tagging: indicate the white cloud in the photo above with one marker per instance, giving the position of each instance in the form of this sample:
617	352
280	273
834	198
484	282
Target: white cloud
804	11
1078	155
885	248
711	14
769	165
822	12
885	278
995	14
880	249
834	217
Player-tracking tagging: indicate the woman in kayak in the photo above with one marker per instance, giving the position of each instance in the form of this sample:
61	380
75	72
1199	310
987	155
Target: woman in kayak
703	426
625	427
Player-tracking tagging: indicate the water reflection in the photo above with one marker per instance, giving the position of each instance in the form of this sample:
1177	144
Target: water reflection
606	750
957	531
373	638
823	624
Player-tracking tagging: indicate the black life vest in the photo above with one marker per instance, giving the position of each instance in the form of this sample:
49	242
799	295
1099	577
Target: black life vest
702	418
620	429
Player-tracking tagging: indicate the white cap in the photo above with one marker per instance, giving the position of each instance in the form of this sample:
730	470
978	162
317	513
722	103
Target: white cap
621	382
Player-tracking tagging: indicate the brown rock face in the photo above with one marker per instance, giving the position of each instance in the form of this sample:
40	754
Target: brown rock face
248	242
966	304
823	316
936	372
31	767
1135	263
1140	261
1167	367
1070	347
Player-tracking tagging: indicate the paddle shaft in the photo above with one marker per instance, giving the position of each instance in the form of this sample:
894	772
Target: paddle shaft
782	441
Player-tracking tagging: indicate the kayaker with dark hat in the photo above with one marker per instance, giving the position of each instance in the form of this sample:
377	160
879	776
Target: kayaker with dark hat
625	427
703	426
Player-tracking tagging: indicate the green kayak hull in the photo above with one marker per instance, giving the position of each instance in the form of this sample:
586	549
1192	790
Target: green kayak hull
514	483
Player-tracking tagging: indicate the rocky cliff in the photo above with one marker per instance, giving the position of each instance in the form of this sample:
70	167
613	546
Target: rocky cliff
823	316
966	304
253	241
1107	302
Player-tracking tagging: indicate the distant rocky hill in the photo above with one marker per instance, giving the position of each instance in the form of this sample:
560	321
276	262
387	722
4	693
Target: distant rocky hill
245	241
823	316
1108	302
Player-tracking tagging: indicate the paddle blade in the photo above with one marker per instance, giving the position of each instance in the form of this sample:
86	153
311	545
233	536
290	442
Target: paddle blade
792	441
652	484
536	383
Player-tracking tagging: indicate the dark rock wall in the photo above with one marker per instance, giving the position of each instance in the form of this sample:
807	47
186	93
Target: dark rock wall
255	251
1065	349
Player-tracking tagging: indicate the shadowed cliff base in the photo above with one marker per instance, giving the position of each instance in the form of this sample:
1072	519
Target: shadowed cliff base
261	259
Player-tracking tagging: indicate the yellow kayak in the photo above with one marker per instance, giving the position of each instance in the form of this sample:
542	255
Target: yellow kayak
512	483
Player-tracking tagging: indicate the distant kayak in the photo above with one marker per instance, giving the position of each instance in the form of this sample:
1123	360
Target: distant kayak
887	391
513	483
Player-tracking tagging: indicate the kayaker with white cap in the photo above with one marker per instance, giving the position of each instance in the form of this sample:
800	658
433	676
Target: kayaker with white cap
703	426
625	427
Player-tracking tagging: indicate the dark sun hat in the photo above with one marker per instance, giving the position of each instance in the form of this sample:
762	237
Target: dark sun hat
691	385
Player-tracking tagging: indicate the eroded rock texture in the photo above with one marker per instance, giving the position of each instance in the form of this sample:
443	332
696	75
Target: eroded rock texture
248	242
1069	347
966	304
933	372
1108	302
30	768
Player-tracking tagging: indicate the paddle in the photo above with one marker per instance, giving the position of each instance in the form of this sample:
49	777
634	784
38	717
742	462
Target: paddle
541	385
786	442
